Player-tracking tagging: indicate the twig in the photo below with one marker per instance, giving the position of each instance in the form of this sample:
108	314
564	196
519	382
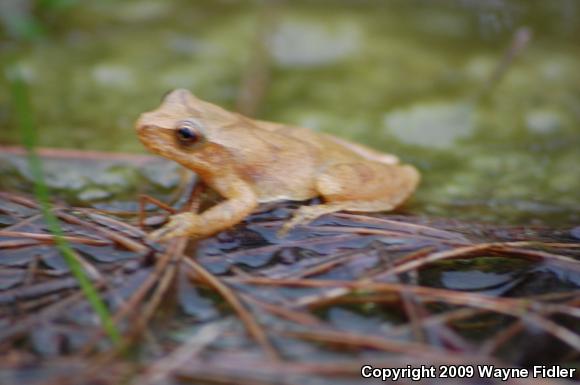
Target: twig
461	252
520	41
51	238
406	227
287	313
133	302
142	209
344	337
126	242
162	369
515	307
254	329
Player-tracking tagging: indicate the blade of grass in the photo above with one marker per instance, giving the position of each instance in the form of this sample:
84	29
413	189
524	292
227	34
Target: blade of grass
23	112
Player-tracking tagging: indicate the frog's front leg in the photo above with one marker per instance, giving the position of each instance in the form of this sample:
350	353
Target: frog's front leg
240	201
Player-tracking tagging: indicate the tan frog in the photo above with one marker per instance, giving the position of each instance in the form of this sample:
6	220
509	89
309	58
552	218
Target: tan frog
250	161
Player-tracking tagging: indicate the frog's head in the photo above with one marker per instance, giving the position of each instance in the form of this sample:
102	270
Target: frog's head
183	128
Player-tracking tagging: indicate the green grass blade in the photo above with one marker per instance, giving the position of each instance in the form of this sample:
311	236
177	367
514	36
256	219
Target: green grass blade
23	112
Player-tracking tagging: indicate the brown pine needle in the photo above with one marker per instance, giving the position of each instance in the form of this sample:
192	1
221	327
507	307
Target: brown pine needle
51	238
253	327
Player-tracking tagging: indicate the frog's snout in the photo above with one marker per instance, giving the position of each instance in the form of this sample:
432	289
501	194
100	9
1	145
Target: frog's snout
144	128
146	134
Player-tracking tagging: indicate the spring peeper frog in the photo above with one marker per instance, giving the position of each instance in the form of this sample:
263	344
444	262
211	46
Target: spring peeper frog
250	161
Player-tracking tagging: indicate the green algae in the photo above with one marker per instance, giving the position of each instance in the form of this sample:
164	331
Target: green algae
401	78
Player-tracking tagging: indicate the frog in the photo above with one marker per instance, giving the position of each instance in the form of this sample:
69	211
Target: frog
249	162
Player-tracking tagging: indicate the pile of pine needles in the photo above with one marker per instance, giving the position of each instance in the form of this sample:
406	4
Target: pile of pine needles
248	307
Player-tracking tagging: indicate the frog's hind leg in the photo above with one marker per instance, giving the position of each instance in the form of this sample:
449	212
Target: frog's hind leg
363	187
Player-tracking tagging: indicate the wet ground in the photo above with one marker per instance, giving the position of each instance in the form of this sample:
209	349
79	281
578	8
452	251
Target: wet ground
479	267
316	305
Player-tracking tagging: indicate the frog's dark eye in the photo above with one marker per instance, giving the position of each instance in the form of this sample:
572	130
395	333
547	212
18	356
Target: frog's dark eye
187	133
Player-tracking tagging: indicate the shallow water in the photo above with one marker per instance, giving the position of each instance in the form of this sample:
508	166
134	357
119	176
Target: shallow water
415	79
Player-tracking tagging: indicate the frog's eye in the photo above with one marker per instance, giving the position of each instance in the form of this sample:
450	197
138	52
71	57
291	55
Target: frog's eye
187	133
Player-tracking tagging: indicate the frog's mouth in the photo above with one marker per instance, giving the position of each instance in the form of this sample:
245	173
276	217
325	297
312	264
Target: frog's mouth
156	139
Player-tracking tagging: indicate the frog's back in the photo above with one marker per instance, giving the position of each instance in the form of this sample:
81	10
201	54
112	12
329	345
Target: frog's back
335	150
284	162
278	166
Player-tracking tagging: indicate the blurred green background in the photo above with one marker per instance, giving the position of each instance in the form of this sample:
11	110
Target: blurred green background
496	137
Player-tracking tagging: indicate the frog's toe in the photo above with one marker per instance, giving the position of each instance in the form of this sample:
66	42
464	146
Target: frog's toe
303	216
161	234
179	225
